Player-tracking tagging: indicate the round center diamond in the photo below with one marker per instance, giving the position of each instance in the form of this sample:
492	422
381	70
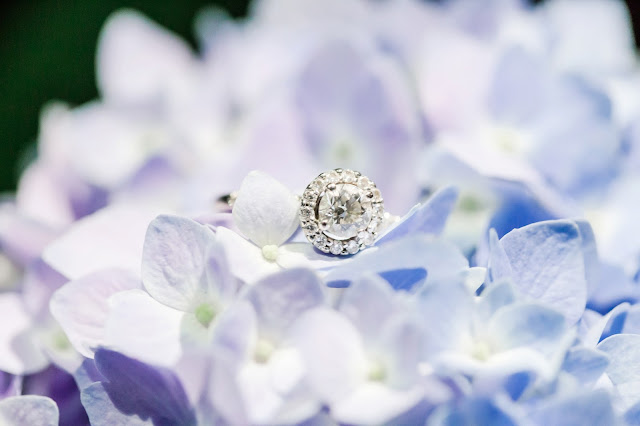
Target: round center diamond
345	210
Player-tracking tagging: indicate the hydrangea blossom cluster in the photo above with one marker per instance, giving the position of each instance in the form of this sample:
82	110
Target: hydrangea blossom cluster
500	287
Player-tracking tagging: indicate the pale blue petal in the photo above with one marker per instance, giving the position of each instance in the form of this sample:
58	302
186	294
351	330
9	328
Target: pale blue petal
548	265
446	310
624	366
590	253
493	298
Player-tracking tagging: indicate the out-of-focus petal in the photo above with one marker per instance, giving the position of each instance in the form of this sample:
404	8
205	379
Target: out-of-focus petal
110	238
374	403
427	218
332	350
526	325
437	260
281	298
584	408
368	302
137	60
29	410
82	306
135	392
19	350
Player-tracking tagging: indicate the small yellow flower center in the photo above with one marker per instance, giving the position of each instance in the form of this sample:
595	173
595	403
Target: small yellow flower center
263	351
205	313
60	340
481	350
270	252
376	372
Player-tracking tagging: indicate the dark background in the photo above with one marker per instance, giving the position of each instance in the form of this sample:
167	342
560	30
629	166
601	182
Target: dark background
47	52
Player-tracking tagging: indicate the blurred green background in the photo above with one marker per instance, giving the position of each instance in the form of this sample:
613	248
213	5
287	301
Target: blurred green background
47	52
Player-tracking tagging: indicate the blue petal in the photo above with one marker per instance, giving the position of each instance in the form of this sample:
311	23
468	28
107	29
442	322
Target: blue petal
427	218
518	207
472	412
632	416
404	279
138	390
517	383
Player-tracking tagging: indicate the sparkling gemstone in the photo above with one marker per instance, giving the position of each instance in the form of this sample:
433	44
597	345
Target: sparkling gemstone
365	238
336	248
353	247
346	210
320	241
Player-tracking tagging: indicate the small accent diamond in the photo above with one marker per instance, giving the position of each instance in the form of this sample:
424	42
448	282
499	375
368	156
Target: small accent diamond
336	248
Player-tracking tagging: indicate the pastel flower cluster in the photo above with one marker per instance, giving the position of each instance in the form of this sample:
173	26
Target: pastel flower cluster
502	289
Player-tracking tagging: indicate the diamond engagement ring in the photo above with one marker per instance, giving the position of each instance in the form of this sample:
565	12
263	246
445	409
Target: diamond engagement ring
341	212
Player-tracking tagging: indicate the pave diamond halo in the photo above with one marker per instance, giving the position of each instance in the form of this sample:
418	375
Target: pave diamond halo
341	212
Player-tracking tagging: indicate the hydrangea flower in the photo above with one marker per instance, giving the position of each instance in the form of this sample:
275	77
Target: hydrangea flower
508	293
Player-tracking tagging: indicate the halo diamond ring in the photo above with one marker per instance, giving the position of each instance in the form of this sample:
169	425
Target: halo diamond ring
341	212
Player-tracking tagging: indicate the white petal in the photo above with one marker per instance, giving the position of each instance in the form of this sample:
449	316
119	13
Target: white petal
274	392
265	211
110	238
29	410
245	259
19	353
142	328
333	352
82	306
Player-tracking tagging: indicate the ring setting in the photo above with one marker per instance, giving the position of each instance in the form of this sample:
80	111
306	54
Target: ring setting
341	212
